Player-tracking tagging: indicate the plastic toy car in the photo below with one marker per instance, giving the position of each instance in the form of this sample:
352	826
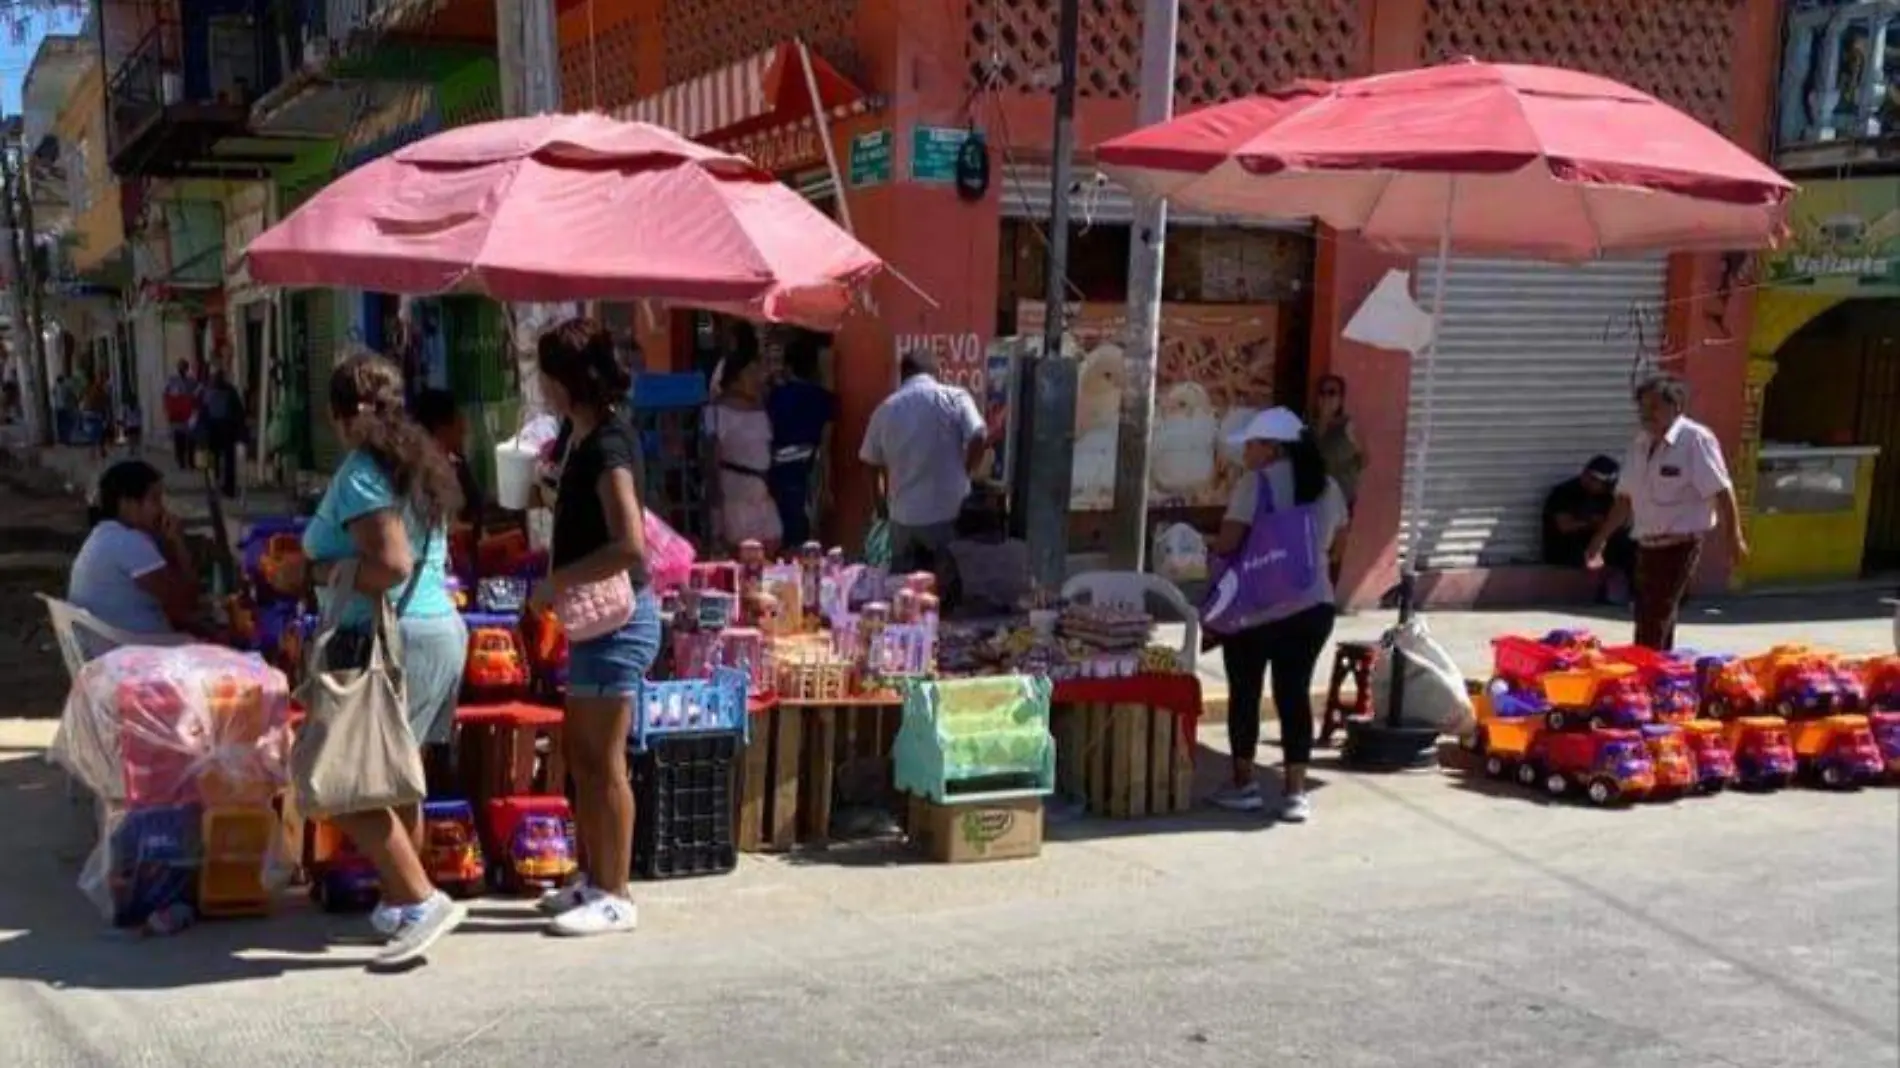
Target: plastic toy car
1763	758
280	569
1523	661
1850	689
1505	745
451	847
1622	702
1799	681
495	663
1609	765
1708	747
534	842
1880	676
1838	751
1674	690
1885	727
1729	688
1669	755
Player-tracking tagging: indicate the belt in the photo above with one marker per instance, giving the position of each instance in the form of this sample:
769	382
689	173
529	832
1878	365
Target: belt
1668	541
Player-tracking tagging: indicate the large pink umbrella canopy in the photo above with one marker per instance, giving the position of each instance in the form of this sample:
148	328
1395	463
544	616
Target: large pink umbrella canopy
1536	162
567	208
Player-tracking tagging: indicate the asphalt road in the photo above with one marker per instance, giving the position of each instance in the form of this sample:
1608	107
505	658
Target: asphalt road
1418	922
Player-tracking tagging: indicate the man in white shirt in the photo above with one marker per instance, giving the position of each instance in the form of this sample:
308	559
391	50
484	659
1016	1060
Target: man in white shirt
924	441
1674	490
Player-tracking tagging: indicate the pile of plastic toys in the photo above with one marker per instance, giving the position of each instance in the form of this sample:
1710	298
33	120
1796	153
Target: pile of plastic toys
1623	723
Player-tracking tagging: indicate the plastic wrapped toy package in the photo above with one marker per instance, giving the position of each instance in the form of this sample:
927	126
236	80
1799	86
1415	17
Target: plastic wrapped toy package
186	750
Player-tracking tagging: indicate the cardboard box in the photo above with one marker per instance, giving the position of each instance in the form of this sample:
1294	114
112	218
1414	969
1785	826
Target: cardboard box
978	830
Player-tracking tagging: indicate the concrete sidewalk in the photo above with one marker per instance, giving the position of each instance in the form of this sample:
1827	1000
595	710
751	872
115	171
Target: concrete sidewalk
79	469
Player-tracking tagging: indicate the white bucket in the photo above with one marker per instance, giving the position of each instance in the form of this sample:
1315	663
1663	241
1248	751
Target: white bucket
514	474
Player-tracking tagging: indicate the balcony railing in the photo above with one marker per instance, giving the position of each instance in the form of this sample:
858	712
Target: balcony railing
1840	76
148	79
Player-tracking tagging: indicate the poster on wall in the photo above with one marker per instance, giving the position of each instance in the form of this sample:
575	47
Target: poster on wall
1214	371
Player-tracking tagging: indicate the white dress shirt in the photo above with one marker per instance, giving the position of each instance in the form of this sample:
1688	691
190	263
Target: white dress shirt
1672	483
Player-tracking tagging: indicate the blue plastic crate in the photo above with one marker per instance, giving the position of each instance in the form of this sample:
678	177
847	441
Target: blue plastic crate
653	392
691	706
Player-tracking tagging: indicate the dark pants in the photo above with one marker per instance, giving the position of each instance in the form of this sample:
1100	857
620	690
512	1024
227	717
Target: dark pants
223	441
63	420
1663	573
183	447
791	491
1288	648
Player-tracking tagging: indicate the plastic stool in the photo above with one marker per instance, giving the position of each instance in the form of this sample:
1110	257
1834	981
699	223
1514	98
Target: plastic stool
508	750
1350	660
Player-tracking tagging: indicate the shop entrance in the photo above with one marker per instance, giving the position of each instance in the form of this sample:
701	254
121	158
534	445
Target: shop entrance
1836	392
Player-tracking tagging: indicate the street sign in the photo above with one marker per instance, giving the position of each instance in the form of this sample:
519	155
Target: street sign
933	153
871	159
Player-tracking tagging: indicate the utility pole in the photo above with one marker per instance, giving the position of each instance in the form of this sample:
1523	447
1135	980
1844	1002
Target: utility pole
1050	456
1127	533
527	51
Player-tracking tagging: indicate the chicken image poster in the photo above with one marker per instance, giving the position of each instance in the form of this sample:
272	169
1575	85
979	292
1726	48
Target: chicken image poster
1214	371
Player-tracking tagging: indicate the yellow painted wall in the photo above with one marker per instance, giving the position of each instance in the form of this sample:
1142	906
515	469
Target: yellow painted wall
98	228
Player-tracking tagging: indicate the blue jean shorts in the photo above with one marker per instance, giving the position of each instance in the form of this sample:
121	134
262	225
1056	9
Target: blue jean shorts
613	665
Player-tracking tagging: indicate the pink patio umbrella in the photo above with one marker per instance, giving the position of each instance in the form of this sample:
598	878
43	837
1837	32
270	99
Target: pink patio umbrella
1489	159
559	208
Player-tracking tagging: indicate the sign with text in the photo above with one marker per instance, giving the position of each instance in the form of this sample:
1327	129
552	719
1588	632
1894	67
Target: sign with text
1214	371
871	159
933	153
1844	239
961	358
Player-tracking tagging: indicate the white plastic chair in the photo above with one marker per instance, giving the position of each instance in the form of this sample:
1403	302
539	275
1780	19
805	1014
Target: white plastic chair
1134	589
68	620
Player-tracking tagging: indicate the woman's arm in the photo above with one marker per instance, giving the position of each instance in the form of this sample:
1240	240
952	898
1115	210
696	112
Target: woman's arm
625	548
383	556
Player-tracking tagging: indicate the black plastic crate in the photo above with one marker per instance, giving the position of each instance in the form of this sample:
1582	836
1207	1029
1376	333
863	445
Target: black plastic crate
686	800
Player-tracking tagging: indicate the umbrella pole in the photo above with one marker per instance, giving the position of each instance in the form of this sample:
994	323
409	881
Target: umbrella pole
1408	575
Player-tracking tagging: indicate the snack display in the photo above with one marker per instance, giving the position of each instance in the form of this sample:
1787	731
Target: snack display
185	748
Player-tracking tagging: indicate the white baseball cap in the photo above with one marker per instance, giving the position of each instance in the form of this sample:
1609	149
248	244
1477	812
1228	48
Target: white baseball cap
1274	424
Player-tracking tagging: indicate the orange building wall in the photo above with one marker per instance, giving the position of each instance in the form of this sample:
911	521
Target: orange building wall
931	63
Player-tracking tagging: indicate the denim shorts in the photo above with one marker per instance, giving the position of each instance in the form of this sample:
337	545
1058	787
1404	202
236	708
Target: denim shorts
613	665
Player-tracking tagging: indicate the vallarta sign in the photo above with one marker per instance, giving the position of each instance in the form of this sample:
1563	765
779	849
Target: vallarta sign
1844	240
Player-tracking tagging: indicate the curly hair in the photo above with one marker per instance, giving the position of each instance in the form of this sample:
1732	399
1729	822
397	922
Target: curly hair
579	353
367	389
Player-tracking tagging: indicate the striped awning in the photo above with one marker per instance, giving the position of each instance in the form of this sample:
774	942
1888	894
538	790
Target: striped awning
756	94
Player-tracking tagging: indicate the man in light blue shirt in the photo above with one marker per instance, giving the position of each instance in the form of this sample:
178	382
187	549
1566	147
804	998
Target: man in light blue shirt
925	439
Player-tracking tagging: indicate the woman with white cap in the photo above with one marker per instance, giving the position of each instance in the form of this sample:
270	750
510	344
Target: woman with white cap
1271	600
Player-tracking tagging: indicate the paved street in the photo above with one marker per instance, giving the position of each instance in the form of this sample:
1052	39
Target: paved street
1420	921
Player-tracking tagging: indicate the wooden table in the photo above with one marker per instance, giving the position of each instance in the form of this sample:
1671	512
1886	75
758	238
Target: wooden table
792	763
1126	745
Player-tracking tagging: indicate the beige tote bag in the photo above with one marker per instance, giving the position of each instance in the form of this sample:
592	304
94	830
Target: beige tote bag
355	752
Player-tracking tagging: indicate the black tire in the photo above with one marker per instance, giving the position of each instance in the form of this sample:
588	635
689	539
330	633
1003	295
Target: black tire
1494	766
1602	792
1527	774
1555	719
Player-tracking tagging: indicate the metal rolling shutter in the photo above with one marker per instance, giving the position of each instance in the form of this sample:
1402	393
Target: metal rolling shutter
1026	187
1534	368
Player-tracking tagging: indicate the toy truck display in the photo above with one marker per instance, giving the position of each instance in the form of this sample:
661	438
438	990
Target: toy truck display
1880	676
1603	695
1671	679
1763	758
1674	769
1505	745
1609	766
1836	751
1708	747
451	848
1729	687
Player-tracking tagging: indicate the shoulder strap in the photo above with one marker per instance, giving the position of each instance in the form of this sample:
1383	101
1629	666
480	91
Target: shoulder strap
415	573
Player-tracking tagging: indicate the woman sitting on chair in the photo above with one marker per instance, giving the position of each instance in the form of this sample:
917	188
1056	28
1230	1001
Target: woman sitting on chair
134	573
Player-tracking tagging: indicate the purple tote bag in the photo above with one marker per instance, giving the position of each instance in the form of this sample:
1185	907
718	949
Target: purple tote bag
1275	565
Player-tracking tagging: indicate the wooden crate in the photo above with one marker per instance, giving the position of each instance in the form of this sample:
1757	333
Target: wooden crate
1124	761
792	767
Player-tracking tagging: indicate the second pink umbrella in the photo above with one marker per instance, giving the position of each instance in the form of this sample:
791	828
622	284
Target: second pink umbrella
568	208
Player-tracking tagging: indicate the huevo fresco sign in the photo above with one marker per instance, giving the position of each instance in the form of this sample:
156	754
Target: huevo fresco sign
1844	239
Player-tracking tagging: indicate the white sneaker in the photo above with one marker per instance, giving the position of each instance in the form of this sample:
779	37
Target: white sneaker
602	914
567	898
422	926
1295	808
1238	798
386	920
